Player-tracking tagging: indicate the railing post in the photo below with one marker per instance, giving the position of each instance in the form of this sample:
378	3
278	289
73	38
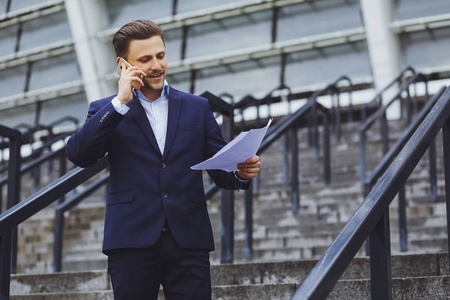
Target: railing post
326	150
367	188
57	243
14	187
362	156
286	143
248	248
446	146
338	129
384	133
402	220
62	169
5	262
316	133
380	259
227	210
432	166
295	195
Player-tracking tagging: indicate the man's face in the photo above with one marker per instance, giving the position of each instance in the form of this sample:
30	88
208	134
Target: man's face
150	56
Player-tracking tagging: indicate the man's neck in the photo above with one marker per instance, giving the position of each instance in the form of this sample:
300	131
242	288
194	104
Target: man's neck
151	95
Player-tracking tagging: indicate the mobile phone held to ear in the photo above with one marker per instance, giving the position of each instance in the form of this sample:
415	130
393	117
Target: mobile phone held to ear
134	84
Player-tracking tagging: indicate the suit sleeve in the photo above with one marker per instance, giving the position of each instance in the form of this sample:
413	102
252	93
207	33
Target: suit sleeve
215	142
90	142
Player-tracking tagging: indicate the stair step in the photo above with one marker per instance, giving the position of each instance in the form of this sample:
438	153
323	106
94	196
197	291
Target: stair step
414	277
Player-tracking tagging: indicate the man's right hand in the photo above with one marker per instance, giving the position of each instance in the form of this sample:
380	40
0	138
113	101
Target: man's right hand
128	77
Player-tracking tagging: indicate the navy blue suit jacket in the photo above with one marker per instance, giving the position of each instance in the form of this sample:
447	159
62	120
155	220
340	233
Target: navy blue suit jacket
146	186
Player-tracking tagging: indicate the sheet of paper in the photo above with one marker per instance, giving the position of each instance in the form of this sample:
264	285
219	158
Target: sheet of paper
242	147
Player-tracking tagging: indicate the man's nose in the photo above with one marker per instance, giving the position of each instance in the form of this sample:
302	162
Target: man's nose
155	65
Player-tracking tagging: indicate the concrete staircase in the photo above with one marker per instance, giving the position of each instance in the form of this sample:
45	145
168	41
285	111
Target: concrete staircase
414	277
285	244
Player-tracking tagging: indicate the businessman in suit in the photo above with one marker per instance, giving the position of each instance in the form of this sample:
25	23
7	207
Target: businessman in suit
157	228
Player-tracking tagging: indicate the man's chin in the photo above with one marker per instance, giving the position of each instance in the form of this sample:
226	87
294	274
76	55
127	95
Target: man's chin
153	87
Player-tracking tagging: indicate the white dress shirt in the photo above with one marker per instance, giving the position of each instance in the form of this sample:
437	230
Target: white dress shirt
156	111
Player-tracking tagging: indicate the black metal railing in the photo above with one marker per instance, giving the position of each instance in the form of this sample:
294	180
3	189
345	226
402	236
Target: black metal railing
41	157
59	217
56	190
288	126
9	238
334	90
380	115
377	101
390	155
371	219
20	212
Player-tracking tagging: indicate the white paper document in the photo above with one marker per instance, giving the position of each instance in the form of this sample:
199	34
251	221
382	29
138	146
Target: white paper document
243	147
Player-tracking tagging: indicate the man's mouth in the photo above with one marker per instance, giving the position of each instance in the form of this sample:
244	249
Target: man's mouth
155	75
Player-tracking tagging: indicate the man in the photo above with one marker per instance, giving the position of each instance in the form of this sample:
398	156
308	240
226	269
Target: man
157	228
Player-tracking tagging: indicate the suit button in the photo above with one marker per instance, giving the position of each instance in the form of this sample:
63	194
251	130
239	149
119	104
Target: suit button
163	165
164	195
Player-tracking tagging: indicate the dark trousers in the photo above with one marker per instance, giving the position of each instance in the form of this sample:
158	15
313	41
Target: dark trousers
136	274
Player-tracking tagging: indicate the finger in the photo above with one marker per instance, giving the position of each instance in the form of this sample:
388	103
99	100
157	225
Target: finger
138	79
135	71
250	170
254	159
246	175
249	165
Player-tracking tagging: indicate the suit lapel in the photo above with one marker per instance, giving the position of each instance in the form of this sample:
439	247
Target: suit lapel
172	119
138	113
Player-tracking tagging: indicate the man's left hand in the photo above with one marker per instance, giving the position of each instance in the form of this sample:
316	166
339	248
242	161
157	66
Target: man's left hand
250	168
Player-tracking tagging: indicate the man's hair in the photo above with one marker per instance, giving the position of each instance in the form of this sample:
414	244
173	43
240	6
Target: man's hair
135	30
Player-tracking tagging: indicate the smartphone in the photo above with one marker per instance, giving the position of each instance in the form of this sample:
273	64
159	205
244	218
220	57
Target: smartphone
135	84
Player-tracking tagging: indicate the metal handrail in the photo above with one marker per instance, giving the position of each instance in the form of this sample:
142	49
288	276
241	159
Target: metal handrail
8	241
59	218
380	114
378	97
23	210
57	189
332	89
372	219
387	159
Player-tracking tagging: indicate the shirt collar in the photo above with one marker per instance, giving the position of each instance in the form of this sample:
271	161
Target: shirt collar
164	93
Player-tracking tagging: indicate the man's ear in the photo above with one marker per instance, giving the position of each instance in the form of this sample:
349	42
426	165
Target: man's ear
117	60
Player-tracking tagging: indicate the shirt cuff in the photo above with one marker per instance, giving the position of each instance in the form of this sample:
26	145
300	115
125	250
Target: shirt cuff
241	180
119	107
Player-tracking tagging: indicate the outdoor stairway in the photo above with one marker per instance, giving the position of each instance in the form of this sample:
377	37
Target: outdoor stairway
279	235
414	277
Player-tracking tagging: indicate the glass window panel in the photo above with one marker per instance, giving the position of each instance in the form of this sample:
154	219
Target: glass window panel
326	65
53	71
173	40
318	17
43	31
427	49
240	79
19	4
8	37
409	9
52	110
229	34
189	5
73	105
12	80
20	115
121	12
181	81
3	4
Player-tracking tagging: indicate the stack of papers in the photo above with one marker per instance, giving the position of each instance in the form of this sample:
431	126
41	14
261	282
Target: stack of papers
241	148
